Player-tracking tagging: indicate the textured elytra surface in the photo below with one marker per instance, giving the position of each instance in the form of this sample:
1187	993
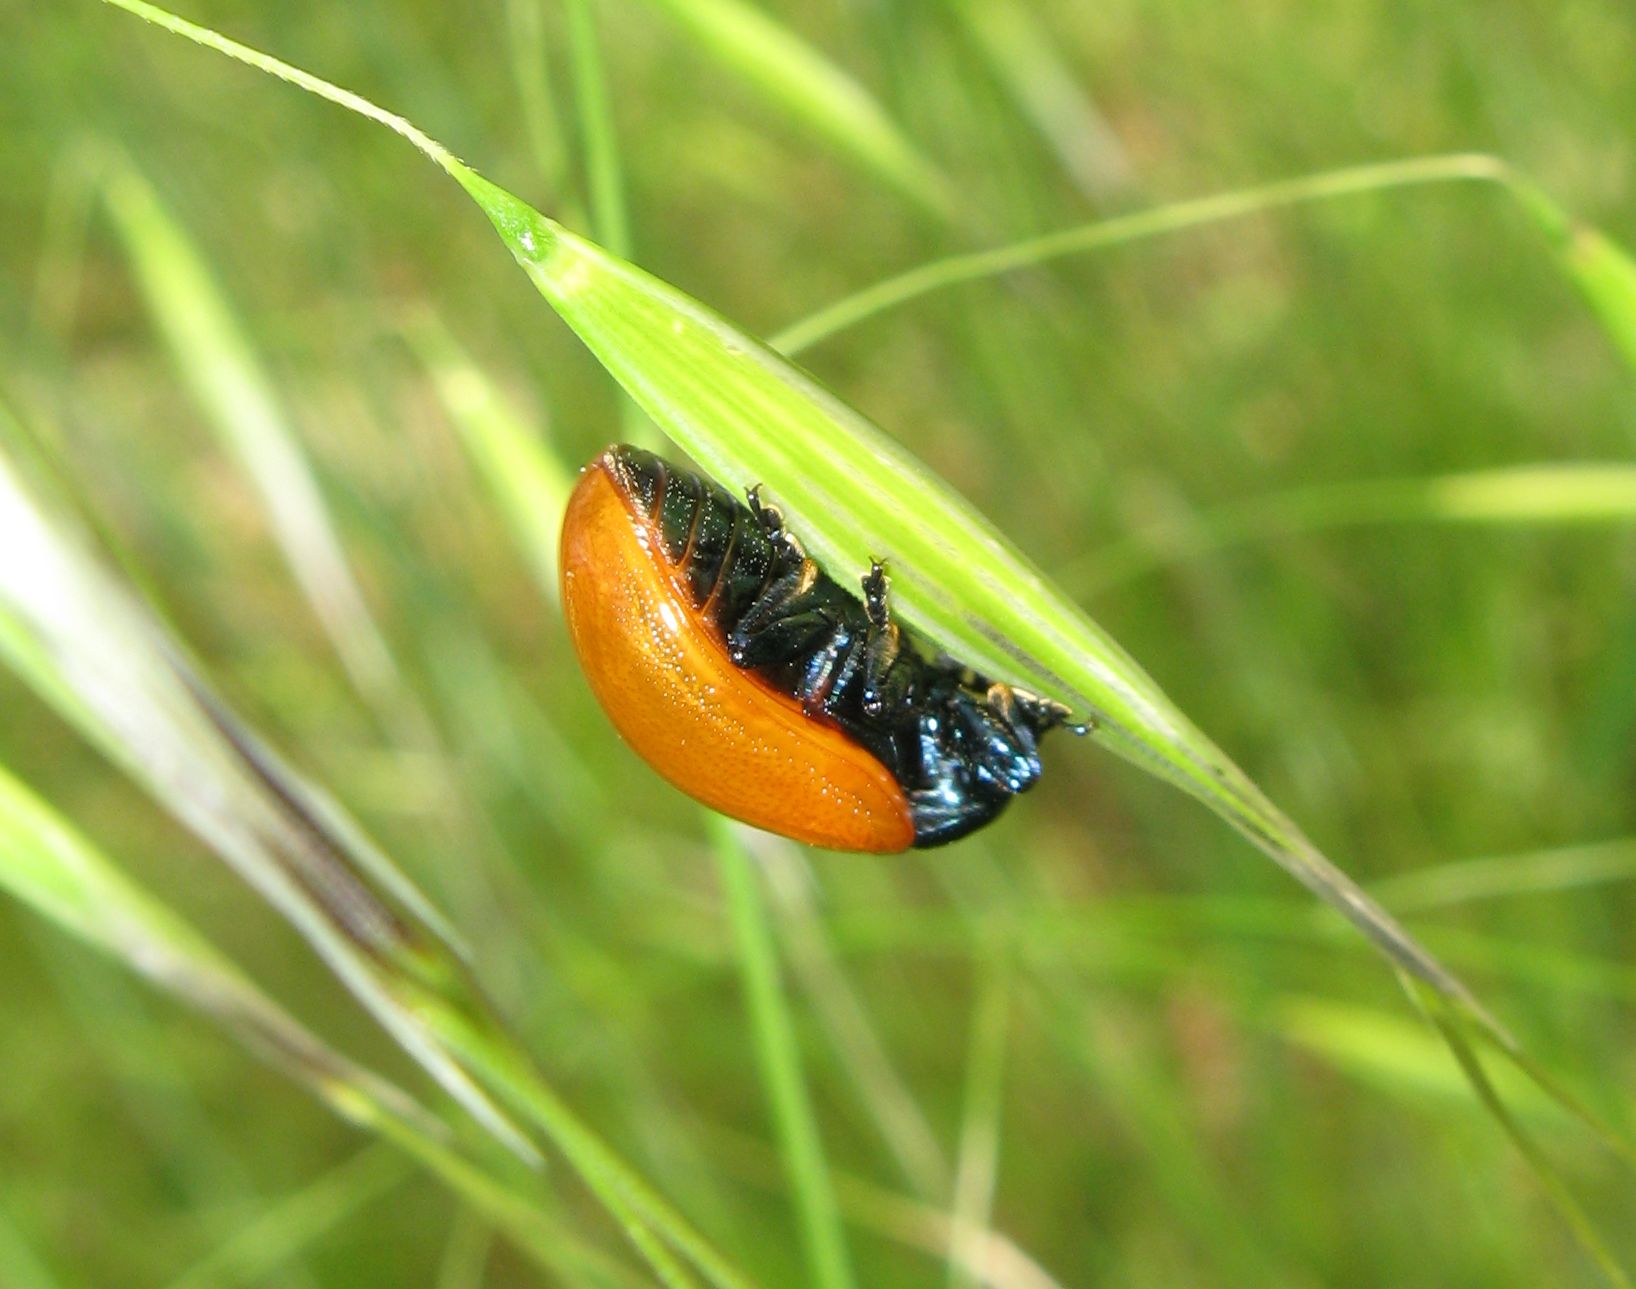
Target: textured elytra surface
718	733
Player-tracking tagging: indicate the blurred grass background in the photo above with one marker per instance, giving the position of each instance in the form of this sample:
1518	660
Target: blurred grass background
1180	1072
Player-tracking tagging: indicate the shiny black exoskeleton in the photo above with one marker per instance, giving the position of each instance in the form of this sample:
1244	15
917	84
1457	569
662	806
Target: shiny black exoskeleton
960	746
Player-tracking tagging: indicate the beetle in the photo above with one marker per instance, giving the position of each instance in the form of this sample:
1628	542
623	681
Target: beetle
756	683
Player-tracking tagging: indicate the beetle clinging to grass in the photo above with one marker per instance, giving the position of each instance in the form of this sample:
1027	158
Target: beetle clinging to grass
758	684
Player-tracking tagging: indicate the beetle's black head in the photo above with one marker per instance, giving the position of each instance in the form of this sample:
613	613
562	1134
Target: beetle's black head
976	747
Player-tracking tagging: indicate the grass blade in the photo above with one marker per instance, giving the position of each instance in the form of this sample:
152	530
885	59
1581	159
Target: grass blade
1451	1025
48	865
20	1266
262	1246
1567	495
780	1062
748	416
801	83
90	650
1011	37
219	366
855	494
1603	272
600	139
530	484
1606	274
980	1126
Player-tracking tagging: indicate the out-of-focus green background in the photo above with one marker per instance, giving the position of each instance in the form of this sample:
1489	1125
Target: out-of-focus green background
1199	1079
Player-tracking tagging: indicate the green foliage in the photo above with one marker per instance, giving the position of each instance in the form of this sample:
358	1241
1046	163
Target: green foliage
1372	488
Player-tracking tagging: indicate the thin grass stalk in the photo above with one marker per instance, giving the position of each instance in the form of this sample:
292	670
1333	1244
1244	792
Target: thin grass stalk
1598	268
747	416
798	81
1453	1027
91	651
21	1266
980	1123
530	483
48	865
1570	494
284	1226
219	366
599	136
531	70
884	1096
779	1058
989	1257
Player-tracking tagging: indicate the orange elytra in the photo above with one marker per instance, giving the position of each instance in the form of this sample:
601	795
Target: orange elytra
758	685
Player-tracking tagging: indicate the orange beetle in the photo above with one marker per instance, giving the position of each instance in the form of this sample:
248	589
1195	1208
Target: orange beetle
755	683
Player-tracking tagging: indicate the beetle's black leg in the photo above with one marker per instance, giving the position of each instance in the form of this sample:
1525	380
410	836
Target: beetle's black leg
1000	750
771	519
776	598
874	595
827	671
1042	714
884	684
780	640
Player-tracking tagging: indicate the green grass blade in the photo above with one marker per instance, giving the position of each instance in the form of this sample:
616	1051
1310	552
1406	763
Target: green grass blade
1566	495
1603	271
530	483
20	1266
89	649
1452	1026
973	1208
1513	876
217	362
860	1051
531	70
286	1226
975	266
605	177
1606	274
779	1058
854	494
748	416
801	83
1013	40
47	864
